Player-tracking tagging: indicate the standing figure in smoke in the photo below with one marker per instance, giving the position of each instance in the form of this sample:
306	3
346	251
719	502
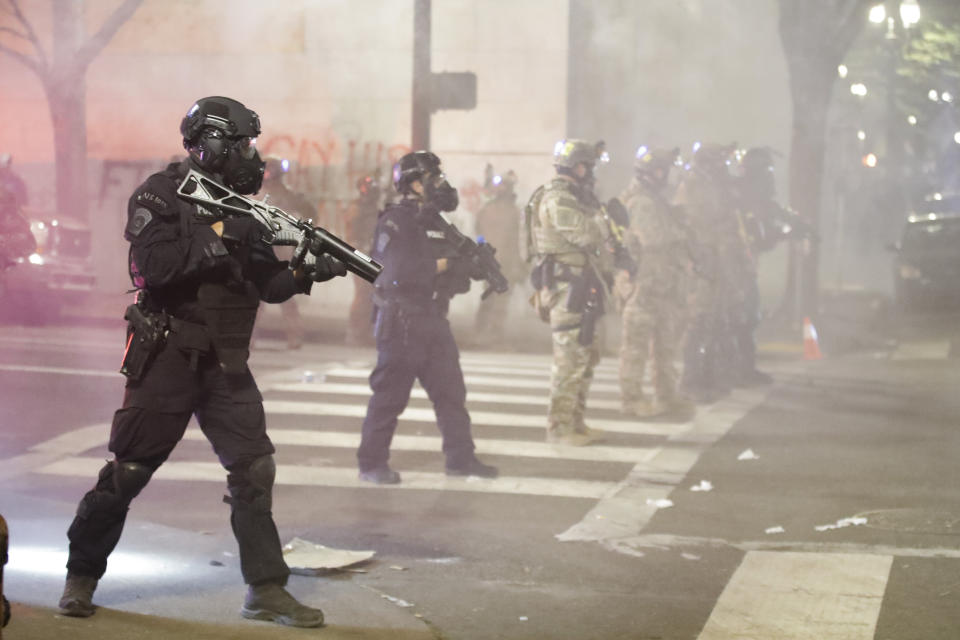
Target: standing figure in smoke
296	203
414	342
361	222
652	300
564	235
201	275
706	198
16	240
497	222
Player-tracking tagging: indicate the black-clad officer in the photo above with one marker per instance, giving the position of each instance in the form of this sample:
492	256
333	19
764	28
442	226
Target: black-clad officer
201	276
413	336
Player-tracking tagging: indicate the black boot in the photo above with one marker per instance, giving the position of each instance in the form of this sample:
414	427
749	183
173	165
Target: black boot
77	598
273	603
472	467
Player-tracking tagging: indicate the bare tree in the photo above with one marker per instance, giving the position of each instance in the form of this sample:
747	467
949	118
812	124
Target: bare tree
815	35
63	76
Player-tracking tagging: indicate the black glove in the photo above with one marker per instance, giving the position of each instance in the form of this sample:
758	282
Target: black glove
245	230
326	268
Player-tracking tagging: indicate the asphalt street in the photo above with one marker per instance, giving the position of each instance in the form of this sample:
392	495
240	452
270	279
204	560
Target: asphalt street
823	506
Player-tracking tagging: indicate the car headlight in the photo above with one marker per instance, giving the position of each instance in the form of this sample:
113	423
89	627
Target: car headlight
910	272
35	258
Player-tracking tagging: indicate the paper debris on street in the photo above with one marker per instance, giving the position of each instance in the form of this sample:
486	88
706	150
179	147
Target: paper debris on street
303	556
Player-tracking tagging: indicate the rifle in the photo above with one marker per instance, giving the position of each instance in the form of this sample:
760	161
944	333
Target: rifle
285	229
479	254
618	219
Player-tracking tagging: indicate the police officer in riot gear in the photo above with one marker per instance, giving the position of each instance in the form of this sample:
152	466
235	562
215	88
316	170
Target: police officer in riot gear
200	276
412	333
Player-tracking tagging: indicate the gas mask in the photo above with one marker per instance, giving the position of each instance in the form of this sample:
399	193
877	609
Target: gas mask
438	193
243	168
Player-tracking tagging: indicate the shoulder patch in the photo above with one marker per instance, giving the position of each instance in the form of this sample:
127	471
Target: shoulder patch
151	198
139	220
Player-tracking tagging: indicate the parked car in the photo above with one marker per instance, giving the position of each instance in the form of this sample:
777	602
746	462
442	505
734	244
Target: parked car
926	269
59	273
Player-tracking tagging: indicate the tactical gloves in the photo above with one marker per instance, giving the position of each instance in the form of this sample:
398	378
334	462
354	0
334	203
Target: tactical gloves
326	268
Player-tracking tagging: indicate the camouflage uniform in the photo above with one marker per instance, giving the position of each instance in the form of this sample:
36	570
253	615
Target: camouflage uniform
706	200
653	307
497	223
568	235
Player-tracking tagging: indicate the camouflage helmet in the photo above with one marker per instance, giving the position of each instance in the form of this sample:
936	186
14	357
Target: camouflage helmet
569	153
649	160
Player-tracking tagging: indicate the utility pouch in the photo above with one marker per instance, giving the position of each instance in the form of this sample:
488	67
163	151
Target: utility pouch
578	293
145	337
229	316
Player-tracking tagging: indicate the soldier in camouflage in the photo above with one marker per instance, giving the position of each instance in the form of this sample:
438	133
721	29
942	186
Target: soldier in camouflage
652	302
706	198
565	236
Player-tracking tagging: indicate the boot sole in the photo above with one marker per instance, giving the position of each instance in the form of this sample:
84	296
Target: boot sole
77	611
279	618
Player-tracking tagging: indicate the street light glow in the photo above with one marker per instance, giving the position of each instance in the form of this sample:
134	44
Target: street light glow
861	135
912	119
878	14
842	71
956	137
858	89
933	95
909	13
870	160
946	96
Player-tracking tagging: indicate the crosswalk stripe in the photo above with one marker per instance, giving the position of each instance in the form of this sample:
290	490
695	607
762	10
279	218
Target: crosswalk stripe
929	350
68	371
481	418
801	596
489	446
529	371
351	389
470	379
303	475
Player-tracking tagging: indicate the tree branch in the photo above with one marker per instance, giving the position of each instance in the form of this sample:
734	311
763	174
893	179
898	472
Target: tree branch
95	44
13	32
30	63
32	37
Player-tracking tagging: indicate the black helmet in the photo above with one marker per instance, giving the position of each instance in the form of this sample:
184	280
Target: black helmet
414	166
225	114
220	134
757	159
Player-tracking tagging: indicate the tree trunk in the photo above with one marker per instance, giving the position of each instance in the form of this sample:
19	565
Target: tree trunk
67	101
811	82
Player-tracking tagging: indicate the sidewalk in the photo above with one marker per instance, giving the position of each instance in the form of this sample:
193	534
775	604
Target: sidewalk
171	583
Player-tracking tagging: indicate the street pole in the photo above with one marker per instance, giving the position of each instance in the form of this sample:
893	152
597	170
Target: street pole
420	123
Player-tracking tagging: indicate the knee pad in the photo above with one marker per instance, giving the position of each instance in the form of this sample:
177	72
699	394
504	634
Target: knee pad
251	487
117	485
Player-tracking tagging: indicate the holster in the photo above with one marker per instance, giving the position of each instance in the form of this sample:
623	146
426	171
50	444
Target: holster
229	314
146	332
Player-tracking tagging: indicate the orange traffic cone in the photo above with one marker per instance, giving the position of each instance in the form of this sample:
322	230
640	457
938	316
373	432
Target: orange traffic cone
811	345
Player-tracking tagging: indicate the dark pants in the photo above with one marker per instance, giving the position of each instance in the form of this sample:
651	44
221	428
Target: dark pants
146	429
415	347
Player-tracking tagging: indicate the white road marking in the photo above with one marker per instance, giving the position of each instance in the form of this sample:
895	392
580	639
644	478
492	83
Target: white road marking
66	444
511	382
357	389
482	418
67	371
937	350
543	372
517	448
624	512
302	475
801	596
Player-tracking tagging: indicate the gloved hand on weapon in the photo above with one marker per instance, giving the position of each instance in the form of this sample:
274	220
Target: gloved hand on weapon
325	268
245	230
